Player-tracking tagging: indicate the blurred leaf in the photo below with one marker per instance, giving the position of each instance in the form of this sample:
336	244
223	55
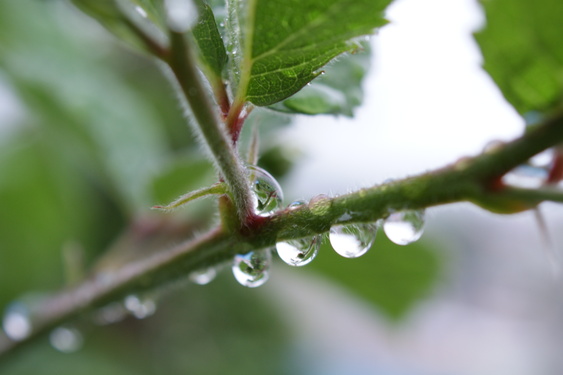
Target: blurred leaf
43	207
522	48
394	278
338	91
91	111
275	56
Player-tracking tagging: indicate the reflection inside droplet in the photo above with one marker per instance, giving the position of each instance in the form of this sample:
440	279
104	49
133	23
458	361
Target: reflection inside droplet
299	252
404	227
252	269
267	193
352	240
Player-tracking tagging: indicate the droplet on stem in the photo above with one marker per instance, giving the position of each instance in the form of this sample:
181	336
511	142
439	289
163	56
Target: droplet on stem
352	240
66	339
141	308
203	276
252	269
268	195
299	252
16	321
404	227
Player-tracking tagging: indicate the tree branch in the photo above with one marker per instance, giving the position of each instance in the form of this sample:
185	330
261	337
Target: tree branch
466	180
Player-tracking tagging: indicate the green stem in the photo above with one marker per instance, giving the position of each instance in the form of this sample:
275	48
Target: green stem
461	181
216	189
183	65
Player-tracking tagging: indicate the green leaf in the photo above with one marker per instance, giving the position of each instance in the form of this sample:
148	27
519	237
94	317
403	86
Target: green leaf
394	278
523	53
278	47
209	41
338	91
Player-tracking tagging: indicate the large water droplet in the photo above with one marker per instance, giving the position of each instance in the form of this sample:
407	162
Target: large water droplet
16	321
203	276
299	252
252	269
267	192
352	240
66	339
404	227
141	308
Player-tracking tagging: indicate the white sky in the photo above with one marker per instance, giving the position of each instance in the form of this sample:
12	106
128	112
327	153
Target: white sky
428	102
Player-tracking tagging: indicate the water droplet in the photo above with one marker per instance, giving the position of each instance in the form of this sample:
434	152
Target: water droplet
352	240
141	11
252	269
320	205
16	321
181	14
404	227
299	252
109	314
203	276
267	192
296	204
66	339
141	308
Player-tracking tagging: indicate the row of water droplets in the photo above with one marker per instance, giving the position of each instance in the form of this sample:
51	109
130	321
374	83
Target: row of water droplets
348	240
250	269
17	321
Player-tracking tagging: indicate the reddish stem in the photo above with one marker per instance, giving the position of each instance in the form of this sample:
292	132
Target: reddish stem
556	169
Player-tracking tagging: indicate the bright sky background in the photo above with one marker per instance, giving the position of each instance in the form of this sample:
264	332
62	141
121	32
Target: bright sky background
428	102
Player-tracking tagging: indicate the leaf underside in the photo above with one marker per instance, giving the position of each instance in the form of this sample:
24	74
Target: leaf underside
209	41
285	44
523	53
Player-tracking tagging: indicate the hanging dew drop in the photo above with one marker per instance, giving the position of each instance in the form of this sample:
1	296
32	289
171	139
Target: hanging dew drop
404	227
352	240
16	322
66	339
110	314
252	269
140	308
266	191
203	276
299	252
